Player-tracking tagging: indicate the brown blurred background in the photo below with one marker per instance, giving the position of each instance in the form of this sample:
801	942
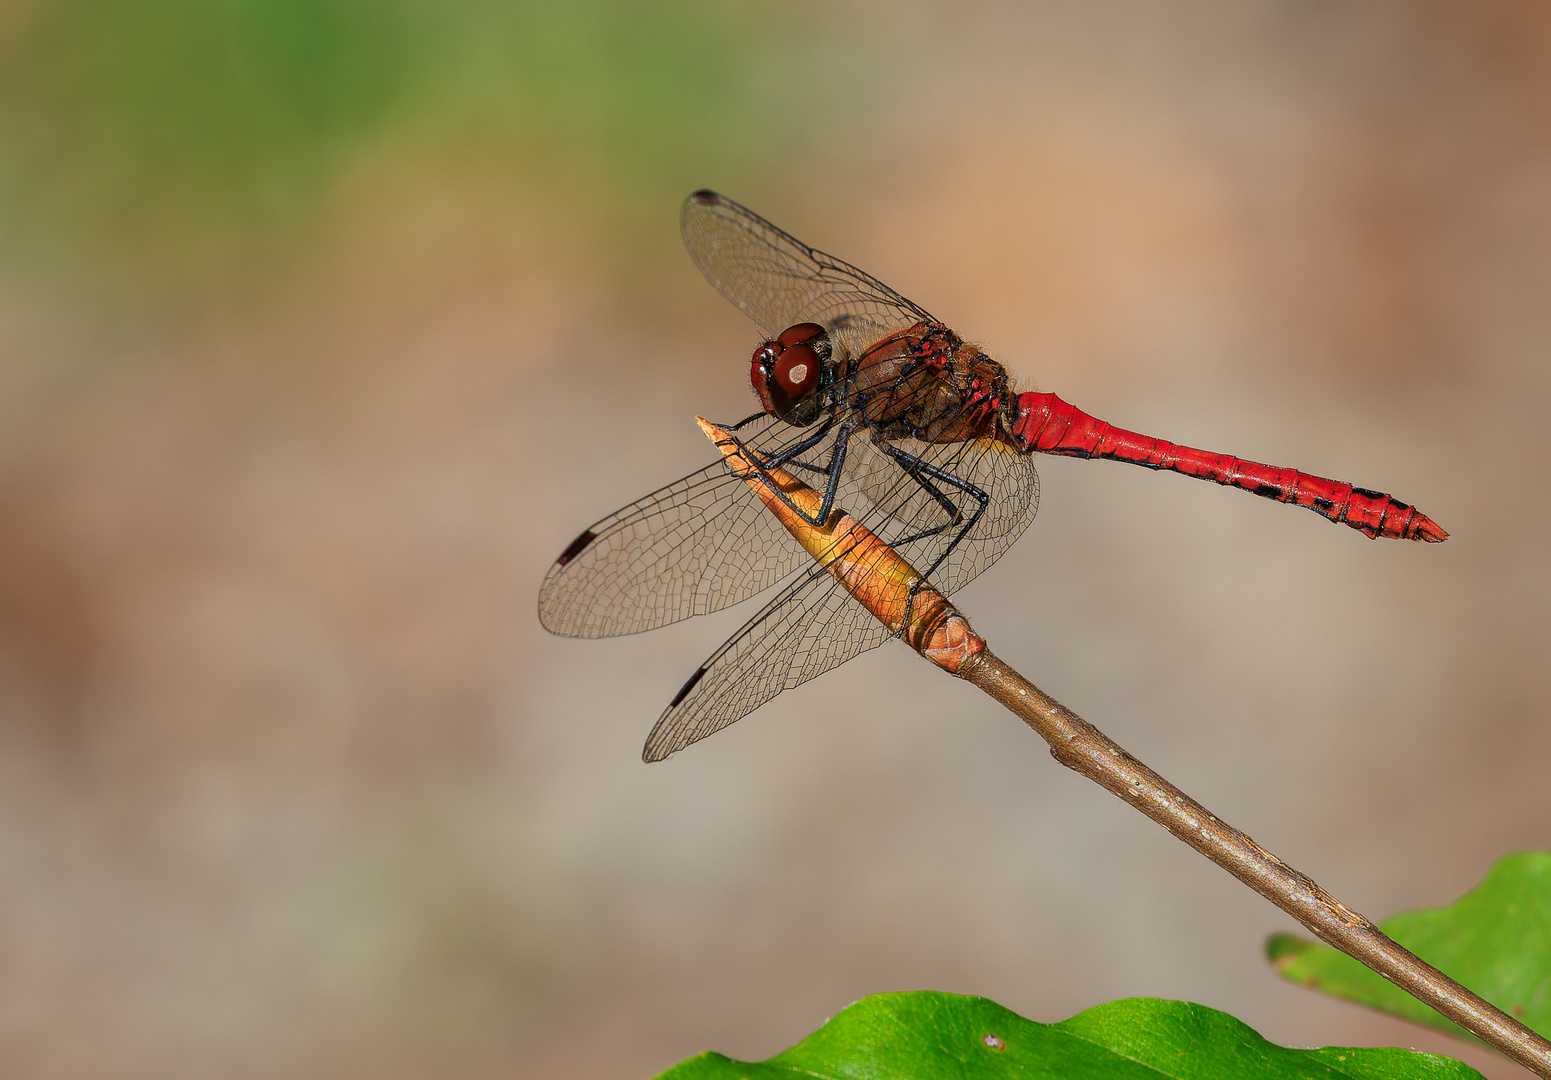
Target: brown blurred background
326	324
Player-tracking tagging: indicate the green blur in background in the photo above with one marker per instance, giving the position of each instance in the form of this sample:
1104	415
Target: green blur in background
153	147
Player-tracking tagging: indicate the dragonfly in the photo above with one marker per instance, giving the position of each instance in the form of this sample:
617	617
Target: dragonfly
897	421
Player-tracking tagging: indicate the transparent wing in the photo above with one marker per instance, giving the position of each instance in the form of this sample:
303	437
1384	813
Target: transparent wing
705	542
902	506
814	625
810	627
693	547
779	281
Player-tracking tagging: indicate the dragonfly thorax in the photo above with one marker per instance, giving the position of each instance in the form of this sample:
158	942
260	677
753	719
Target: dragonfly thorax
927	383
788	373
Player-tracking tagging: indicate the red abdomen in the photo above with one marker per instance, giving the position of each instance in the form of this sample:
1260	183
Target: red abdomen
1046	423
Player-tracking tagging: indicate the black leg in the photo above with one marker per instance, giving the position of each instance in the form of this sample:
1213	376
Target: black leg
747	420
781	457
919	471
836	466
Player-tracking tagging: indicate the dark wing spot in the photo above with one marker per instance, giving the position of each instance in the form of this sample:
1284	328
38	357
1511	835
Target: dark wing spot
707	196
576	547
686	688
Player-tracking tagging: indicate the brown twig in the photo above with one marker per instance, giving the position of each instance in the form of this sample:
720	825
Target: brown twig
1083	748
883	582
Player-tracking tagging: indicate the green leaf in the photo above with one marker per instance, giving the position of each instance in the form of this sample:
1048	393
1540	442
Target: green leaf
925	1035
1496	939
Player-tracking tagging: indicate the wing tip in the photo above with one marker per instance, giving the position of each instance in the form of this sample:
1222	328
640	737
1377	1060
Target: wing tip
575	547
663	742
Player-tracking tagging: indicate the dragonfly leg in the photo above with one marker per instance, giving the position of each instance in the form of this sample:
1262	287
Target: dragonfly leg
781	457
784	456
833	470
923	474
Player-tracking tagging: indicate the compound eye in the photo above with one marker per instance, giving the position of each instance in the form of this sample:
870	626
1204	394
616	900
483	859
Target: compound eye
797	371
803	331
759	373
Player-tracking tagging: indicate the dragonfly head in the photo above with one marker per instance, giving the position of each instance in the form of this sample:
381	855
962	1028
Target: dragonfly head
789	372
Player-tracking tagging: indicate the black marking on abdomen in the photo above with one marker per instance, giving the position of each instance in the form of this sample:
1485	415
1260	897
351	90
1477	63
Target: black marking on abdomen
576	547
686	688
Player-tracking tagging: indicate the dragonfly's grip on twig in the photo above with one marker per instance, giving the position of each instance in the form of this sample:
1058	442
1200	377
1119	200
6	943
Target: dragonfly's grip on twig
874	573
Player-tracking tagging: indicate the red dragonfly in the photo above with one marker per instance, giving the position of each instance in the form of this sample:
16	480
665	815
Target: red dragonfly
911	429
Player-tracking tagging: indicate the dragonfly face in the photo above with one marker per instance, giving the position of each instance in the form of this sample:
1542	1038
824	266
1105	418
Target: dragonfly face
790	373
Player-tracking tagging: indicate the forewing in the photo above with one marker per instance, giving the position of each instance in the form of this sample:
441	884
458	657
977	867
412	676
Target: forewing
693	547
778	281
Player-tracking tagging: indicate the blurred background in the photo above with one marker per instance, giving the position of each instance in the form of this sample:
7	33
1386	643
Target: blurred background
326	324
